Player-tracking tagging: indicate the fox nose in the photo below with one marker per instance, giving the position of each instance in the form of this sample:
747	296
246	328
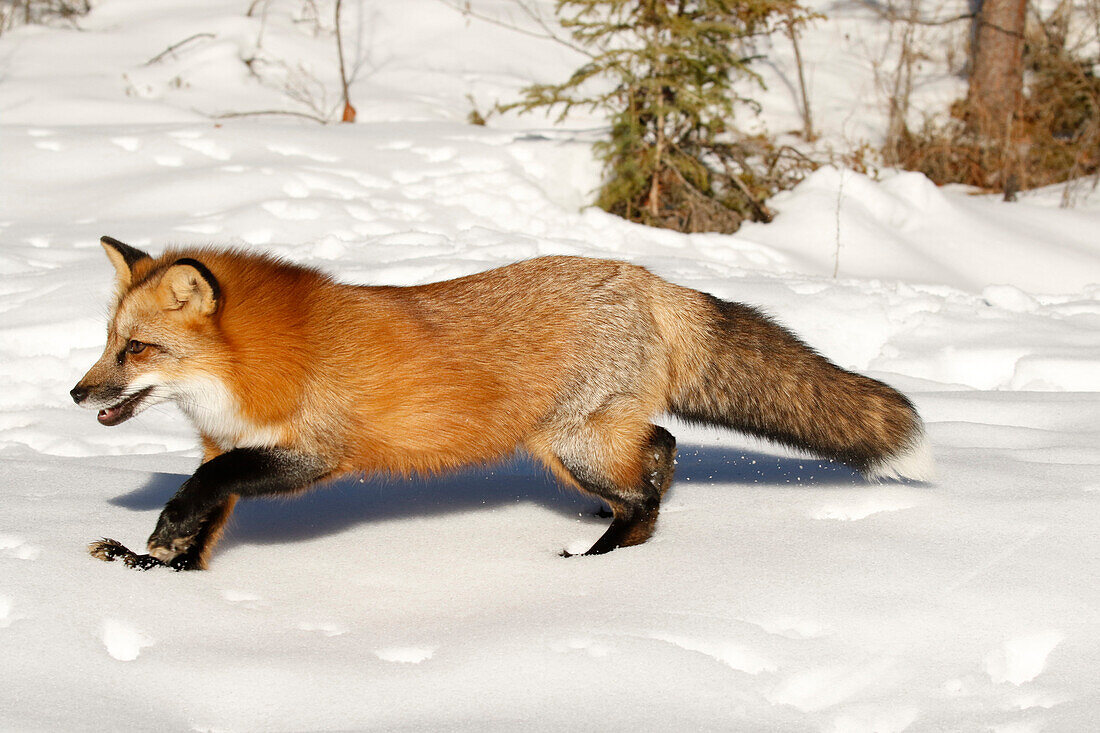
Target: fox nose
78	393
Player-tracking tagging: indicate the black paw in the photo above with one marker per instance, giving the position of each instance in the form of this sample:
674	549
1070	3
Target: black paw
186	561
111	550
594	550
108	550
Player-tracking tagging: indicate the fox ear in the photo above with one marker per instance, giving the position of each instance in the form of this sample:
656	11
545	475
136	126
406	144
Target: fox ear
123	257
190	287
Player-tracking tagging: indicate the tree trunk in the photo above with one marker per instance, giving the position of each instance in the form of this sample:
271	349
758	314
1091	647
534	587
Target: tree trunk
997	73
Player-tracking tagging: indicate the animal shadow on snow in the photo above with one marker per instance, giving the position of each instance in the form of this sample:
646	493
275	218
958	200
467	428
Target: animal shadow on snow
349	501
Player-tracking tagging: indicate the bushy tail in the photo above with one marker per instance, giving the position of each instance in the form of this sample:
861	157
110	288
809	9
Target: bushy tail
750	374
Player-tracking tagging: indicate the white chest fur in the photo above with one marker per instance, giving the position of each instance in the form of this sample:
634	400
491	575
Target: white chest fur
215	412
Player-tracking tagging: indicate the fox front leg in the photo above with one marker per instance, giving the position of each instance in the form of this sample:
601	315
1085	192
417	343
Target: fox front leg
242	472
191	522
193	558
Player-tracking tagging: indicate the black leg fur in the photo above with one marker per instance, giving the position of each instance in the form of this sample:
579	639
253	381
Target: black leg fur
193	559
244	472
661	459
191	521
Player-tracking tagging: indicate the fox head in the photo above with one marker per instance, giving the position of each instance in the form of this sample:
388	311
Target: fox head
163	323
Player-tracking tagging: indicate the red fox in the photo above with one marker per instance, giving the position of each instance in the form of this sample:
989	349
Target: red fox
292	378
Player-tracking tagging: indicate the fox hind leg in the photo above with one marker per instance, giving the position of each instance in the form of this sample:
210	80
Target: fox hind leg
632	482
636	524
660	461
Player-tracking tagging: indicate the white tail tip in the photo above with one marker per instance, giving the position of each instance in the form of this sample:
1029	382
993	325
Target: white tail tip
913	462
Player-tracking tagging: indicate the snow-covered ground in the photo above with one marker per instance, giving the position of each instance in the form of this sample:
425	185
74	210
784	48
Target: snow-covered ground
779	592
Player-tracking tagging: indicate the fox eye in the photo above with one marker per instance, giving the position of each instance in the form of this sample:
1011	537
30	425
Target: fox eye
135	347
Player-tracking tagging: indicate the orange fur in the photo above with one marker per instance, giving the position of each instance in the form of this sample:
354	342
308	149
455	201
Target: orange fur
419	380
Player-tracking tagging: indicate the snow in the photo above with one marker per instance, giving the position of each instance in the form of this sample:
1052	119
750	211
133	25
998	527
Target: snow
780	592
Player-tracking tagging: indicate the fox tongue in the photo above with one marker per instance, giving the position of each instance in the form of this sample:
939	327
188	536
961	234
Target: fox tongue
124	410
108	415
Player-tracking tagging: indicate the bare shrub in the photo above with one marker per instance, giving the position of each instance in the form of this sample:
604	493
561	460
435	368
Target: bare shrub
1055	133
26	12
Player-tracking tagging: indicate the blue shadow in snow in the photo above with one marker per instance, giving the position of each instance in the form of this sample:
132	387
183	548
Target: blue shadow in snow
349	501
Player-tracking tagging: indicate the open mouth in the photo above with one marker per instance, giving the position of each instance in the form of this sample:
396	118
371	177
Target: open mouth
124	410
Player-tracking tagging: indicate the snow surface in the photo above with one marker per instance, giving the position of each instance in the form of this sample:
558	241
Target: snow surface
779	592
